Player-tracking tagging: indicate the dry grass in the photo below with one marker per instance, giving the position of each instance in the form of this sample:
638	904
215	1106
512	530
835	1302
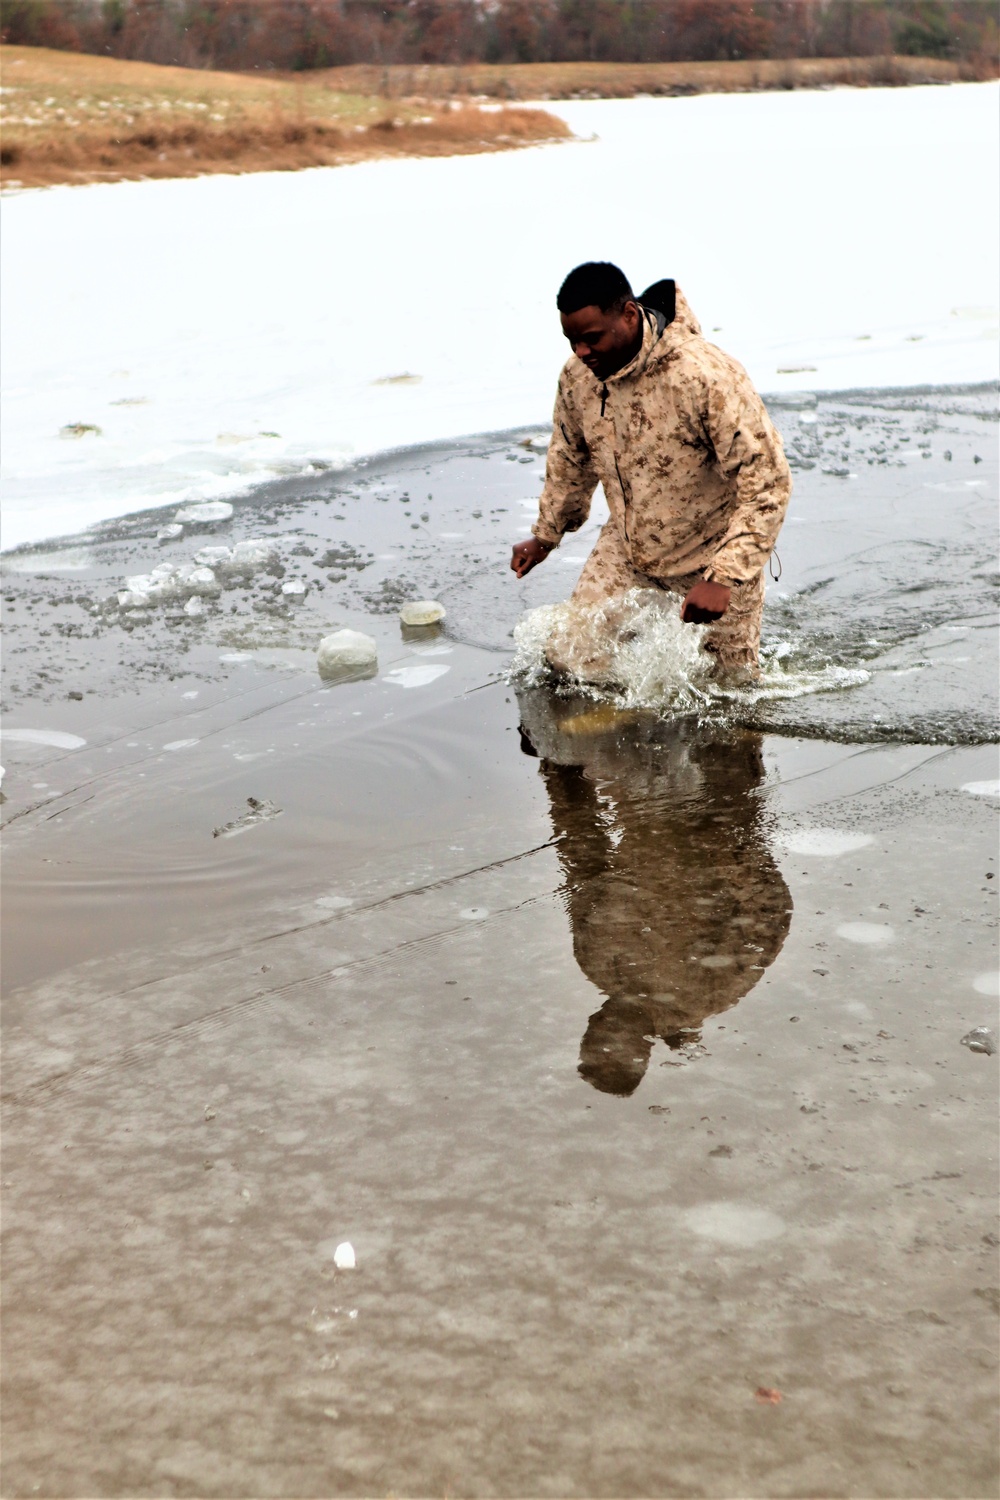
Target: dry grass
625	80
72	117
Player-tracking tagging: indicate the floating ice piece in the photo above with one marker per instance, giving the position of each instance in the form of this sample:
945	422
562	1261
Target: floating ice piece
422	612
347	655
343	1257
58	739
334	903
295	588
170	533
213	557
194	608
1	775
475	913
179	744
205	510
133	599
203	579
987	984
252	552
980	1039
414	677
259	810
874	934
982	788
733	1223
825	843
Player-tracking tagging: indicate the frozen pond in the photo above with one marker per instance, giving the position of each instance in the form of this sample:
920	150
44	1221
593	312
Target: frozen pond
623	1048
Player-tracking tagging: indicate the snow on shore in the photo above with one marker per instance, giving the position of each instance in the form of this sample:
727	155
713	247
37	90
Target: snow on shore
223	330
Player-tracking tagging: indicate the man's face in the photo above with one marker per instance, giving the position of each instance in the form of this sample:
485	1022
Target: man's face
603	341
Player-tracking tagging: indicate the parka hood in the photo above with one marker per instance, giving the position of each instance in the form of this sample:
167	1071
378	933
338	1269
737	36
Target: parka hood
659	338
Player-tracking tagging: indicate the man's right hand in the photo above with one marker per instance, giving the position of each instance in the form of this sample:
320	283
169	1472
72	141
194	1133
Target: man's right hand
528	555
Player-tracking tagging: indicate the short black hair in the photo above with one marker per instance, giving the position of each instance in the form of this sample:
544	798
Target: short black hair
597	283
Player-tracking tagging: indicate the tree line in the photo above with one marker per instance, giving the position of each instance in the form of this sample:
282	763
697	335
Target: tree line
290	35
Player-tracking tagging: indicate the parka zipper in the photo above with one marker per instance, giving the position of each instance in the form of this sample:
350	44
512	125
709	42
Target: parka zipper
625	500
604	396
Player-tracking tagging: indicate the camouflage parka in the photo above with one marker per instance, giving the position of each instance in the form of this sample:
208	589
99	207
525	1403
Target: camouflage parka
693	470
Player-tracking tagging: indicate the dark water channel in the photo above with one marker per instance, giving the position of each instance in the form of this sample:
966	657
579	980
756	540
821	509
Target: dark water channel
624	1049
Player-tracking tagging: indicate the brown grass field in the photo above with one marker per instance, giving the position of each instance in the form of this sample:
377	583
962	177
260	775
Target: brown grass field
72	117
597	80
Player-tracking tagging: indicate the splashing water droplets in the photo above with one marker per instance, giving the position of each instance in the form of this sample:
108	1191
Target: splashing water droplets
636	651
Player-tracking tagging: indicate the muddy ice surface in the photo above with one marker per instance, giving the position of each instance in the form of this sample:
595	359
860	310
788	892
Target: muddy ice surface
627	1050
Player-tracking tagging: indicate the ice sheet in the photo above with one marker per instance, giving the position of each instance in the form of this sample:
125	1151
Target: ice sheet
829	240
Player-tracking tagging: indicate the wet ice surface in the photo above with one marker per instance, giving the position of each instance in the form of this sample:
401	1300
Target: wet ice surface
881	627
629	1067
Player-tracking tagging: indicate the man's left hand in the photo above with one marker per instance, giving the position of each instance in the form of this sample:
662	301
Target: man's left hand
705	602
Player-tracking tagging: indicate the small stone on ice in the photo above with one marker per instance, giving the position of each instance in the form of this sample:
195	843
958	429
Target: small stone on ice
422	612
347	655
980	1039
343	1257
206	510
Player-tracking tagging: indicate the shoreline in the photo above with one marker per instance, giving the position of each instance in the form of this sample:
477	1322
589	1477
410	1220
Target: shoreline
341	116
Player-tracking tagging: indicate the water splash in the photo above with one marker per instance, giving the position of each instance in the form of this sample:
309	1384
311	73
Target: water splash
635	652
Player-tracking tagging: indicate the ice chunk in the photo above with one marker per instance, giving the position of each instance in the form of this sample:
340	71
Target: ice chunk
825	843
203	580
873	934
132	599
343	1257
730	1223
980	1039
213	557
982	788
422	612
169	533
414	677
347	655
194	607
253	552
295	588
205	510
58	739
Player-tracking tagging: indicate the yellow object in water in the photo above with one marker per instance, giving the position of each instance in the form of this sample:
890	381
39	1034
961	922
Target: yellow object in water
599	720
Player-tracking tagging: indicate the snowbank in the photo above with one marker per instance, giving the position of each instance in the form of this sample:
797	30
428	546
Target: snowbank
227	329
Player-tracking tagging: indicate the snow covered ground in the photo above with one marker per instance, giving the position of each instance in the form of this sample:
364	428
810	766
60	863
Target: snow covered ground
224	330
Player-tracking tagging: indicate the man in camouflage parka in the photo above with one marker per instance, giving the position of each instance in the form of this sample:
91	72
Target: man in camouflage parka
692	468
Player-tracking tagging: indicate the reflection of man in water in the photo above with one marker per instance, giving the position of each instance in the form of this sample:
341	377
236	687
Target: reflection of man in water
693	470
676	903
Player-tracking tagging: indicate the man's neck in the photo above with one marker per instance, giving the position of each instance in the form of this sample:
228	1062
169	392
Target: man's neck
631	352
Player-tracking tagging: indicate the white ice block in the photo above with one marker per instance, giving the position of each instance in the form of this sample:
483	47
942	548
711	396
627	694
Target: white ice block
422	612
347	654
